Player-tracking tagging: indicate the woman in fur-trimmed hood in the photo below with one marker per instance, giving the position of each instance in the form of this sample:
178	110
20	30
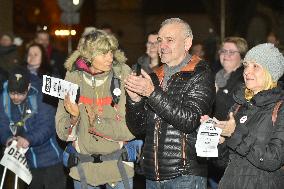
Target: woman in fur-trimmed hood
96	43
96	124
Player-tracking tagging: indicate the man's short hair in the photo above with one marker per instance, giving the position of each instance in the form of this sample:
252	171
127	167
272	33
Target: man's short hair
19	80
187	28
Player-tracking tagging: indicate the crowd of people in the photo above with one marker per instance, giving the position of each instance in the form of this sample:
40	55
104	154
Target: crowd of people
95	143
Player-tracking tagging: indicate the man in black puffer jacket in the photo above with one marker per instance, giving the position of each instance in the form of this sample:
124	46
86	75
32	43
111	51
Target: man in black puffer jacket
166	106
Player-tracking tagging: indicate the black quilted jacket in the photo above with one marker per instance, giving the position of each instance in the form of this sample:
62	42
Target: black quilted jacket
257	145
169	120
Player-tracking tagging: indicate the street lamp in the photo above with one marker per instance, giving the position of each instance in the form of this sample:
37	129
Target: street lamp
70	15
65	32
76	2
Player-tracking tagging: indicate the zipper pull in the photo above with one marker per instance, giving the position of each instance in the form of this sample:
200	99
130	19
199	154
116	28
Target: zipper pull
93	82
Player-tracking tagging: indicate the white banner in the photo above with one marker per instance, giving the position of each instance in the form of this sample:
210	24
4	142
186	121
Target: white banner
207	139
59	88
15	160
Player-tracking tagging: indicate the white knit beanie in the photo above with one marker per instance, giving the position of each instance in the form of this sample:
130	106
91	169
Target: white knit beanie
269	57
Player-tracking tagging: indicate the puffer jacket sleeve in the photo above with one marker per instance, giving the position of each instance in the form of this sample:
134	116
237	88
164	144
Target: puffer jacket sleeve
269	157
136	116
5	132
41	127
184	114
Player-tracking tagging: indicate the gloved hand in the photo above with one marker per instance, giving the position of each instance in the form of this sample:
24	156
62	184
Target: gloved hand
70	158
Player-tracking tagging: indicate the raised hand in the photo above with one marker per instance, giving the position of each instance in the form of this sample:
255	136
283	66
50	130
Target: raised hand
22	142
228	127
204	118
71	108
139	86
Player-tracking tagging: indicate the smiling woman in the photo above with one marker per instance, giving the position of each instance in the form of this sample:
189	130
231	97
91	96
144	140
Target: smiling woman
257	78
262	72
256	137
97	119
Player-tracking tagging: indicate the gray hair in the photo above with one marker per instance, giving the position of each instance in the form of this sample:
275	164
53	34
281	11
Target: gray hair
186	26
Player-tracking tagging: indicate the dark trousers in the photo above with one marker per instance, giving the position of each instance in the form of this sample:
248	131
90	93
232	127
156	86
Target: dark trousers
52	177
181	182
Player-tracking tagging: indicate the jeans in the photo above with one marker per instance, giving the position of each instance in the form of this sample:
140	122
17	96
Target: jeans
181	182
119	185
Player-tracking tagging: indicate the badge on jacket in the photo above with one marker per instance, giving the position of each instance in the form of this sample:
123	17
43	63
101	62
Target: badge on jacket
243	119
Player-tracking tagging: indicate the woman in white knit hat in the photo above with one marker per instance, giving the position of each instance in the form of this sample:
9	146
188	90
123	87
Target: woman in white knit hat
254	131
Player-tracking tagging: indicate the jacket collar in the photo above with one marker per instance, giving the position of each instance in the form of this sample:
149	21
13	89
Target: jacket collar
262	98
187	68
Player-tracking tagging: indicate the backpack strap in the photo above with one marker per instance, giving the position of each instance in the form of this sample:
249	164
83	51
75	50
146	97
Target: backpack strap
115	90
275	111
237	107
187	68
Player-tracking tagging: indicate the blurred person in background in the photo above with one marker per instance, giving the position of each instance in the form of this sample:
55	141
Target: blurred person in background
198	50
37	62
211	46
227	81
9	56
150	59
230	77
56	57
274	39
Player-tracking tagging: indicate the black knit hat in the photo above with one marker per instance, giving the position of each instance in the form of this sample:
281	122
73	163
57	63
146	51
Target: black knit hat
19	80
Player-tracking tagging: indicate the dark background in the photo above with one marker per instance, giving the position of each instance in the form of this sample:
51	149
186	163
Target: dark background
132	19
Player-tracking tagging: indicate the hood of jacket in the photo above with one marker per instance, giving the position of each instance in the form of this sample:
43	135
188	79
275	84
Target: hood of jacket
70	63
119	68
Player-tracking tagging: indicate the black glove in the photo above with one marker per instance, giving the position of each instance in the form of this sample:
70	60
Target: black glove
72	161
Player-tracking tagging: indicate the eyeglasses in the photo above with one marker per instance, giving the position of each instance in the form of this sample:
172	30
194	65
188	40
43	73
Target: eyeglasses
227	52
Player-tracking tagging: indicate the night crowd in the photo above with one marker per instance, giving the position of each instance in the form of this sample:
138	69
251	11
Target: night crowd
135	125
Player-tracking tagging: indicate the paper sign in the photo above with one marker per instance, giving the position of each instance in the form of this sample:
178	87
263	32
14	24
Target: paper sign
15	160
59	88
207	139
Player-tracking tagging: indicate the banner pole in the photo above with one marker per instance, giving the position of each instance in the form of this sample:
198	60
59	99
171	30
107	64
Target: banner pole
16	182
3	177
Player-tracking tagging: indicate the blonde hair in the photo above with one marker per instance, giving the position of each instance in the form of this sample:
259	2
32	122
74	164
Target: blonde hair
94	43
240	43
268	84
99	42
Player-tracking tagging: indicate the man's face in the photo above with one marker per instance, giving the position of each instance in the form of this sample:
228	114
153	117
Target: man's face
43	39
6	41
173	45
18	98
152	46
